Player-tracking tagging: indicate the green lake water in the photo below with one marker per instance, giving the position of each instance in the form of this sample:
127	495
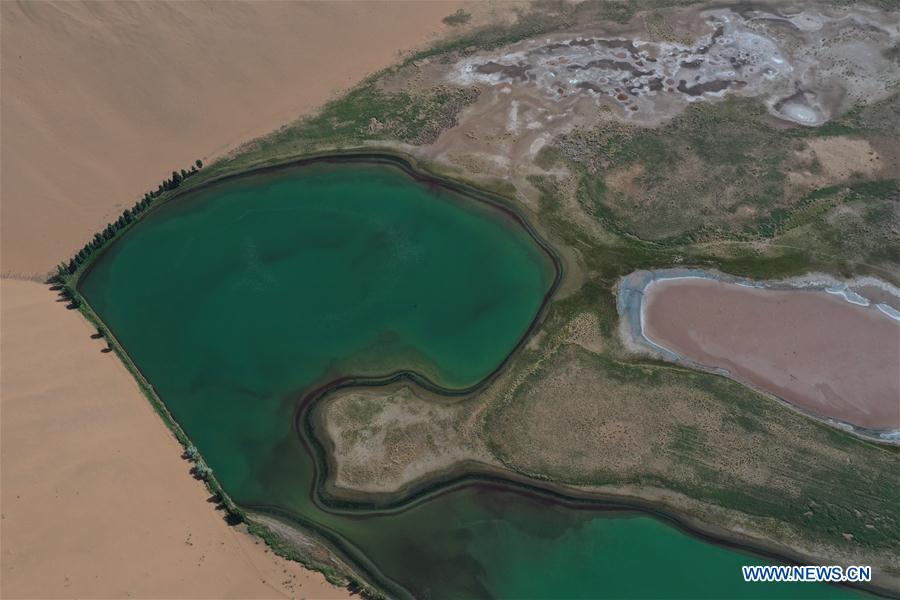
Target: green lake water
236	300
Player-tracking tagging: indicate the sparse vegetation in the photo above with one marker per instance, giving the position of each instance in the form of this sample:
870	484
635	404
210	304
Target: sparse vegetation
703	435
715	179
368	113
703	175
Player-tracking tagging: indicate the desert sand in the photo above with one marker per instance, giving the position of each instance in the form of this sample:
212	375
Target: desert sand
96	500
99	101
102	100
813	349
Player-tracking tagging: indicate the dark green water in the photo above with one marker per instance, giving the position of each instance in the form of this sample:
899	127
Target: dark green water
236	300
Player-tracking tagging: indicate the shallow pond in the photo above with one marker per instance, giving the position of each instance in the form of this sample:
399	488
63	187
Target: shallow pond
238	299
824	348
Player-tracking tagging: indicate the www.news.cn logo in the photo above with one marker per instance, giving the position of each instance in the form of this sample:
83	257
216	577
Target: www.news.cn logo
834	573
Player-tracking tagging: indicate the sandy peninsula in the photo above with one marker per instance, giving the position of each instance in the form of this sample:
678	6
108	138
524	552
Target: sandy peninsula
100	100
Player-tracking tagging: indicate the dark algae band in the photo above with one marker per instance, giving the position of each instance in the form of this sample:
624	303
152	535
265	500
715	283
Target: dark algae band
247	299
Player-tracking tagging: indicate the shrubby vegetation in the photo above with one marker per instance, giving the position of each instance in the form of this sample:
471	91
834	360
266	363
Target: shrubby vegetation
718	176
460	17
694	174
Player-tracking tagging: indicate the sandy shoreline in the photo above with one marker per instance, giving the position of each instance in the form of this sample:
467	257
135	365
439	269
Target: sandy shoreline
814	342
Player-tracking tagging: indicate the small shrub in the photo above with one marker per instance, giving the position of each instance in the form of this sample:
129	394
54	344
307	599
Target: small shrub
460	17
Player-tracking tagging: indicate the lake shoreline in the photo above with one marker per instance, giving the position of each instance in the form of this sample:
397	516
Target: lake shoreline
409	167
610	504
564	494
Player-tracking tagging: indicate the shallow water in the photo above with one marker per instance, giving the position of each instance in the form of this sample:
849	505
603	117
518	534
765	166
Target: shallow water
236	300
829	351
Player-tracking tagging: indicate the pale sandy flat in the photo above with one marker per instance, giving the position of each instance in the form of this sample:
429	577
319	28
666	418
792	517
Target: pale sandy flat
813	349
100	101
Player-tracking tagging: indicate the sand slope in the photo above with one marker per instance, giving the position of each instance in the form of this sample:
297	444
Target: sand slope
101	100
96	501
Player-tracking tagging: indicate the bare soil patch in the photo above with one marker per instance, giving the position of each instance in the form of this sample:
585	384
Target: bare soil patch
835	159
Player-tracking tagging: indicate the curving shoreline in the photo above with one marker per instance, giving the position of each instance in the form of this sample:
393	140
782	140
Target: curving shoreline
633	292
406	165
479	475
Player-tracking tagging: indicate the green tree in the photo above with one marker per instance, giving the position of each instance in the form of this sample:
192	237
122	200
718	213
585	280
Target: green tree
192	453
201	470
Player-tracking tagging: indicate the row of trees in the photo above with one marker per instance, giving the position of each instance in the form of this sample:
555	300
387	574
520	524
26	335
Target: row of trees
127	216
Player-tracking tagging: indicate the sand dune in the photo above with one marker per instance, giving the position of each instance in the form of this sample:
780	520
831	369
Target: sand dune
100	100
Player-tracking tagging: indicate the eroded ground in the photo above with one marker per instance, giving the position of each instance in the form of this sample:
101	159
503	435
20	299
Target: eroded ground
805	63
